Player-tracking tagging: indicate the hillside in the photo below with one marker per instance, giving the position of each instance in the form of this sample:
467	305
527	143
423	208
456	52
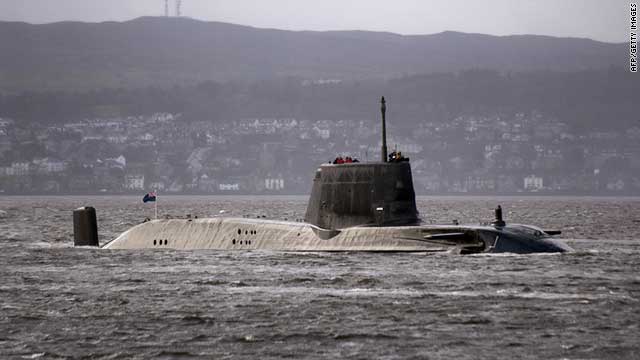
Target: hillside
585	100
168	51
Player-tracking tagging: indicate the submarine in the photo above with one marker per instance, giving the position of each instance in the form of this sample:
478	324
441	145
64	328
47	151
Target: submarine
368	206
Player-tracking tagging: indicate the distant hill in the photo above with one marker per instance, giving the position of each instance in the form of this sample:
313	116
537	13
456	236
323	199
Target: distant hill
585	100
168	51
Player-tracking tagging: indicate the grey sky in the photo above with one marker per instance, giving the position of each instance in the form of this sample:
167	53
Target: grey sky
604	20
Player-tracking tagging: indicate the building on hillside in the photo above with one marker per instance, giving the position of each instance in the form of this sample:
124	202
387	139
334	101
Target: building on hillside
207	184
49	166
134	182
274	184
533	183
157	185
229	187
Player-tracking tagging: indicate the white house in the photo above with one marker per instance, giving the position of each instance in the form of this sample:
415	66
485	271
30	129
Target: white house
229	187
274	183
134	182
533	183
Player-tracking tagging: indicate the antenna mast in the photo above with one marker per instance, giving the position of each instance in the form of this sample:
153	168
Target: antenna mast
178	10
383	109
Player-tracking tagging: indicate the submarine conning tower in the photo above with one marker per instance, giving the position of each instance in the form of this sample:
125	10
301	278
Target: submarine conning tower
374	194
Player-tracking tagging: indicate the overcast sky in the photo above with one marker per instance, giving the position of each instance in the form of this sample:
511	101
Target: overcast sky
604	20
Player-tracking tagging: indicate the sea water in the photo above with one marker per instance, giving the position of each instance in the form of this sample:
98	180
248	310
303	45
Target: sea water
57	301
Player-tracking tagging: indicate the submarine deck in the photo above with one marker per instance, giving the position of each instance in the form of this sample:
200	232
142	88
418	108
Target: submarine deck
247	234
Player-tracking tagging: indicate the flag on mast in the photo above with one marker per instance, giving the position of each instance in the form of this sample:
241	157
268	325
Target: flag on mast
149	197
152	197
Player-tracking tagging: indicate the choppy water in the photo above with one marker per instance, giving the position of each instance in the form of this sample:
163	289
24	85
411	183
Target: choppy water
57	301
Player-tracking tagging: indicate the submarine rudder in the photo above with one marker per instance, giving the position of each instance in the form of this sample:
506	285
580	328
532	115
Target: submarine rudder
85	227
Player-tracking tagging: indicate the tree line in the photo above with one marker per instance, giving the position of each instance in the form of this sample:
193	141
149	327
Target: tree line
585	100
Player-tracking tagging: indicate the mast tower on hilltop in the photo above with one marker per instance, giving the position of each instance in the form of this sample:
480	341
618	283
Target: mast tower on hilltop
178	4
178	8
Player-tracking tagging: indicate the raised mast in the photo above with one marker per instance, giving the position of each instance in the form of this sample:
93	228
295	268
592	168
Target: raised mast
383	109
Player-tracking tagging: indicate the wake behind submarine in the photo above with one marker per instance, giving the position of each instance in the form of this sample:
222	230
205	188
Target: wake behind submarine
353	207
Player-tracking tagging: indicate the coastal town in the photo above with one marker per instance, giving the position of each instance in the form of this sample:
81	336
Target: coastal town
499	154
